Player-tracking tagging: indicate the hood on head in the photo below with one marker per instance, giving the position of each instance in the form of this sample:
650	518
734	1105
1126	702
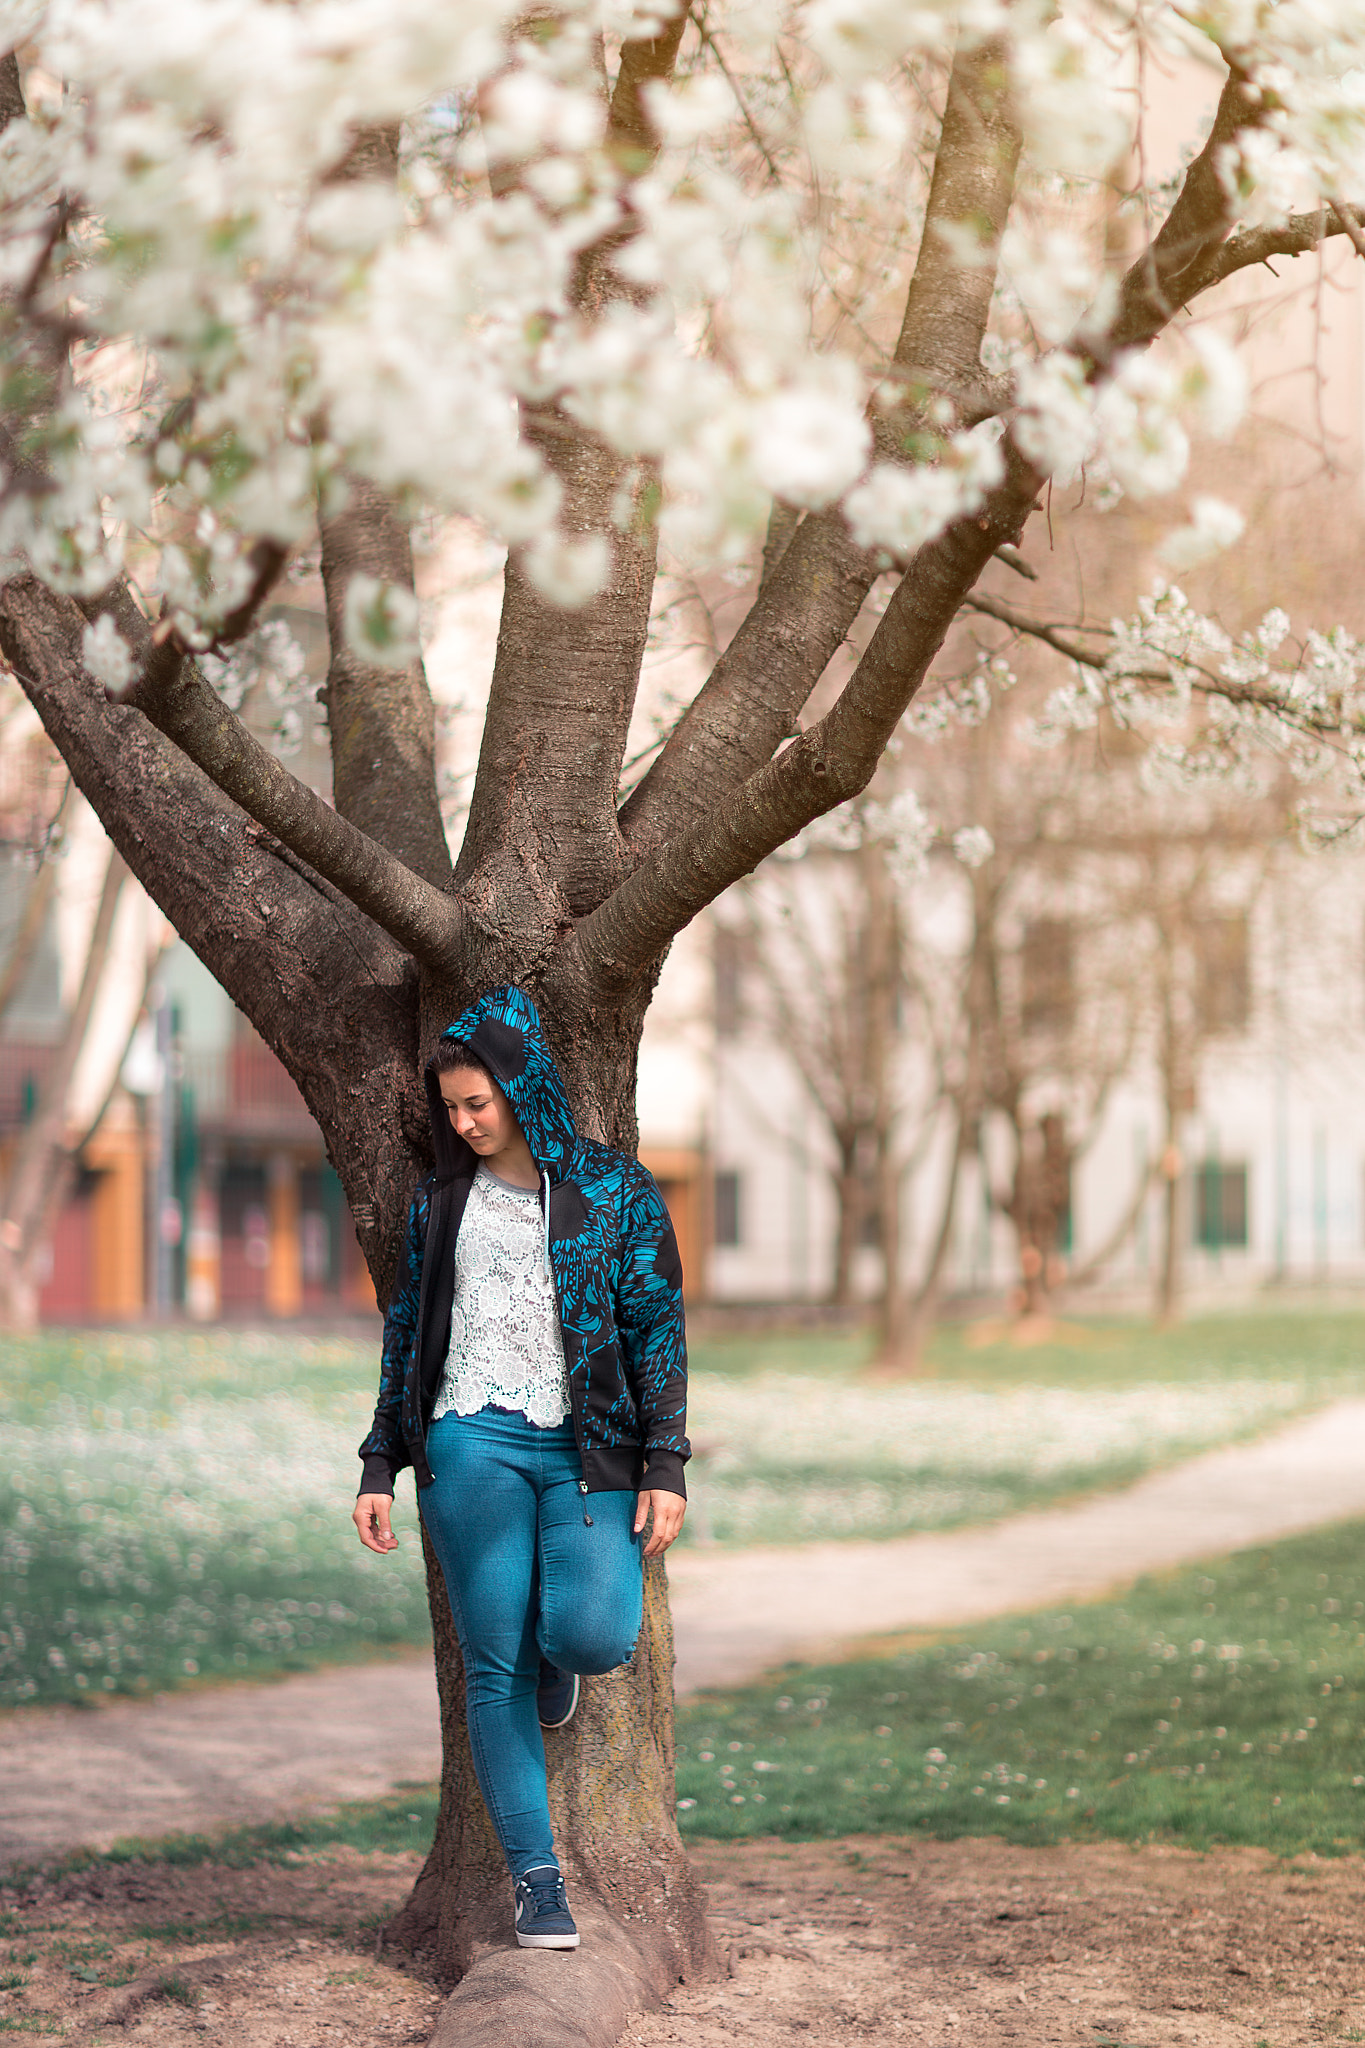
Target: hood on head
504	1030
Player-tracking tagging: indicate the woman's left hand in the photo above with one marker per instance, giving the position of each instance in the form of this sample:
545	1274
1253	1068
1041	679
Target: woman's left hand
669	1509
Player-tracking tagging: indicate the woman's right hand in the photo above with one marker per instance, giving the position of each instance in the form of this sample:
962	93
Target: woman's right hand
371	1519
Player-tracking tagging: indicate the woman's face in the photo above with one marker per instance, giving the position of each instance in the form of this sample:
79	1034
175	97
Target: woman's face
480	1113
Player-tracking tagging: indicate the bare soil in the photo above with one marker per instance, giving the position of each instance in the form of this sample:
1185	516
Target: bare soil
869	1938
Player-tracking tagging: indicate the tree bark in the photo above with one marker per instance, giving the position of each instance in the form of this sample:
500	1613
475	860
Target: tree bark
611	1800
381	722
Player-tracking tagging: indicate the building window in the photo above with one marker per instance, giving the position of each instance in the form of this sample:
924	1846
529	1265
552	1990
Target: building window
1222	975
1047	958
729	969
727	1216
1220	1206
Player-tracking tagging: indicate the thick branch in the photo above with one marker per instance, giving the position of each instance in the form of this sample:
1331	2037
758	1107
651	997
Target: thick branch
330	993
630	137
809	599
1195	229
564	682
180	703
381	721
12	106
1297	236
949	301
824	767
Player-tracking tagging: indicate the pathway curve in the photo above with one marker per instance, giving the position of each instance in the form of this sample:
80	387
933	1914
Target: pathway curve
246	1751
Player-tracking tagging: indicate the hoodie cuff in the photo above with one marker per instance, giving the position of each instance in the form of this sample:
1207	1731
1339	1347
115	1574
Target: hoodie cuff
376	1474
664	1469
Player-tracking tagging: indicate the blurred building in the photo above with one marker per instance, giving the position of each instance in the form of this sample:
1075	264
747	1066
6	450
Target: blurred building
1268	1162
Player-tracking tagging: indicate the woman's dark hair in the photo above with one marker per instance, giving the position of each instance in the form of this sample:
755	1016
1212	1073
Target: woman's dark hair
450	1054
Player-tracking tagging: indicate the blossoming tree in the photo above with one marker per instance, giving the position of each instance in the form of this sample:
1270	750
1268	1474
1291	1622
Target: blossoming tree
832	281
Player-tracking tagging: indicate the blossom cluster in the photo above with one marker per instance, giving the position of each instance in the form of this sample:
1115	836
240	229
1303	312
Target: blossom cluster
270	247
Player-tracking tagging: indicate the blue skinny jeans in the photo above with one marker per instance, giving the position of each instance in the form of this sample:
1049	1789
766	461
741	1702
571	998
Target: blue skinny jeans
527	1576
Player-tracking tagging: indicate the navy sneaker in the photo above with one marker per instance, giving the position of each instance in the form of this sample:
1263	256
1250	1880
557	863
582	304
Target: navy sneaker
556	1695
543	1916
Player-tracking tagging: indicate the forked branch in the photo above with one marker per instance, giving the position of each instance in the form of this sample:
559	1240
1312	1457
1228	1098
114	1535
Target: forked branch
824	767
180	703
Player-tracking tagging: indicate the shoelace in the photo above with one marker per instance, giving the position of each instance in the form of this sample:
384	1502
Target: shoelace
547	1893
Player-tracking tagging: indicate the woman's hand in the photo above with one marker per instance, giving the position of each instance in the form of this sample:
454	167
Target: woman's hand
669	1509
371	1519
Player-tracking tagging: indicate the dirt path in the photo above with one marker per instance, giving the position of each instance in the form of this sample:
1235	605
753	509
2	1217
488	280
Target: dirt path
737	1613
220	1754
939	1944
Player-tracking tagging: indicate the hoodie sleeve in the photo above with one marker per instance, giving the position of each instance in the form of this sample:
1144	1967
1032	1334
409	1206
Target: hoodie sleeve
383	1454
649	1321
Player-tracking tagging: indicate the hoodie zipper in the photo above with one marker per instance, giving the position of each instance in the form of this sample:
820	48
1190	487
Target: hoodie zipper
559	1312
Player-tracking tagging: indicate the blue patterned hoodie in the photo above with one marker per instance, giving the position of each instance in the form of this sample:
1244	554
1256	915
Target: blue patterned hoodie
618	1278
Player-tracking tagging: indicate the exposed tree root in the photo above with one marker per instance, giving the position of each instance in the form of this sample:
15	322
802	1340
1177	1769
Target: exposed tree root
543	1998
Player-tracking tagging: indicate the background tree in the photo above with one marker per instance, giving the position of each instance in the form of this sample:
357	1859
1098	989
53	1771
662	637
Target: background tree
37	812
275	272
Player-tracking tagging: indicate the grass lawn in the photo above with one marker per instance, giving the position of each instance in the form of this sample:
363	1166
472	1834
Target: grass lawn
176	1505
1221	1705
1216	1705
796	1443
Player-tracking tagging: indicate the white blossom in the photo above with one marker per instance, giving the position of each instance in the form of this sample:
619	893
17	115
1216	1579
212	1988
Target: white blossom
566	571
908	830
1217	382
1056	423
1072	122
902	509
106	654
258	331
809	444
381	621
1144	443
1212	528
973	845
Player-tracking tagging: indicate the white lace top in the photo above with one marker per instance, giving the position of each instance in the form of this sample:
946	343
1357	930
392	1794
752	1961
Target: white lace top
506	1347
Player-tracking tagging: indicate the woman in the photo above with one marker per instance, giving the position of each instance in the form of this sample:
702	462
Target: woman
534	1375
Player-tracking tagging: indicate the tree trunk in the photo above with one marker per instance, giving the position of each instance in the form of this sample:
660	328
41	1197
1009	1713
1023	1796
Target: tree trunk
1177	1080
612	1803
611	1773
902	1340
848	1191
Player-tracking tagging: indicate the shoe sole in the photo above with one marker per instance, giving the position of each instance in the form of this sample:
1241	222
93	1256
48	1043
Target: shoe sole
565	1719
546	1940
